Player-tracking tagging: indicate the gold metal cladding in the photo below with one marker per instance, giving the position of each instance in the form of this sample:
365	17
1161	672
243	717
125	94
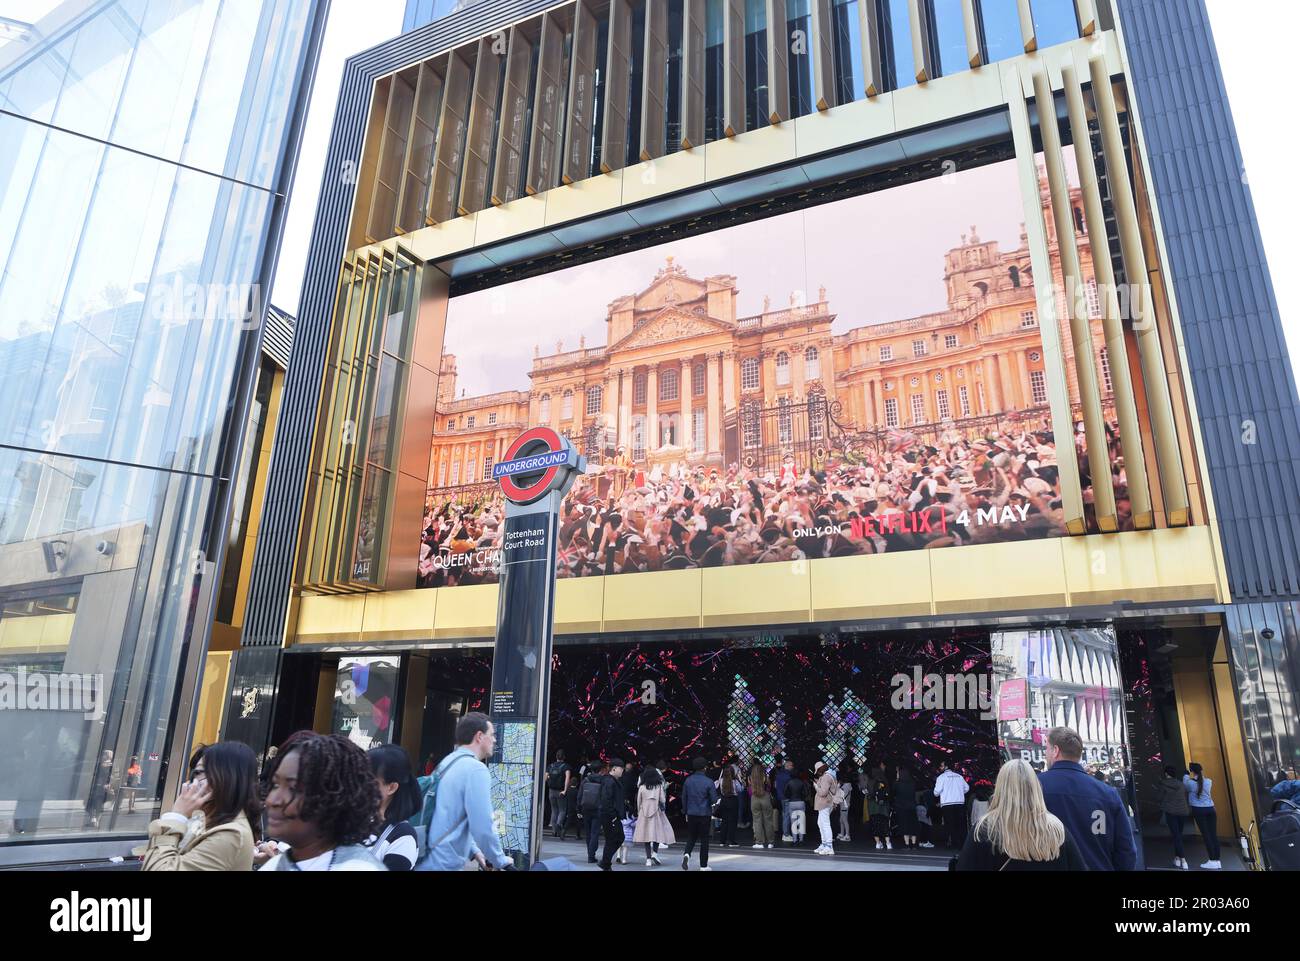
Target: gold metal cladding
868	22
1173	481
824	59
778	62
618	83
452	126
1027	26
733	77
654	78
1085	364
1058	394
1135	470
481	137
920	49
548	108
694	28
513	133
582	88
973	55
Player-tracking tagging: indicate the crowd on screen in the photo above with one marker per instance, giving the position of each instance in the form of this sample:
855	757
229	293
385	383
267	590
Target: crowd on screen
905	494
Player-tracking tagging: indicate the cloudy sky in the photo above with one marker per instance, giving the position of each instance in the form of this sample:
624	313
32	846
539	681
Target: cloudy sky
1256	65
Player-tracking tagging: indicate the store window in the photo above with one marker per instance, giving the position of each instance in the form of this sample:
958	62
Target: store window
365	700
1063	677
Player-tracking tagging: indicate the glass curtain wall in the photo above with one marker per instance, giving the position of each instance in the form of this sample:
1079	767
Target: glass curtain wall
142	166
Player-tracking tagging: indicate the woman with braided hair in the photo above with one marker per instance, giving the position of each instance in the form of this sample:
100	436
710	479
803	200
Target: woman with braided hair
322	801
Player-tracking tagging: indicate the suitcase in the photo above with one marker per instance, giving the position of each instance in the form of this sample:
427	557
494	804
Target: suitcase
1279	837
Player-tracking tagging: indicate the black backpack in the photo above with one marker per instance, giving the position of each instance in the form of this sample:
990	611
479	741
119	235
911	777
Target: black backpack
589	795
1279	836
556	781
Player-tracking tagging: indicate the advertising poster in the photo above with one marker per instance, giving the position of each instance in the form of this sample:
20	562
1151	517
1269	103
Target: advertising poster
861	377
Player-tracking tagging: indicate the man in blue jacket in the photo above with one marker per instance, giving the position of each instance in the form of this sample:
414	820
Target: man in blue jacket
1091	810
699	794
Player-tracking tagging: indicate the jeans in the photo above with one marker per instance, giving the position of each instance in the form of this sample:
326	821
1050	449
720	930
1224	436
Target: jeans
699	827
593	837
824	826
729	812
785	816
557	809
1176	822
796	819
1207	821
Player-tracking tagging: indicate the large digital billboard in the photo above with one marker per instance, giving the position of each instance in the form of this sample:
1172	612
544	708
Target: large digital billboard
861	377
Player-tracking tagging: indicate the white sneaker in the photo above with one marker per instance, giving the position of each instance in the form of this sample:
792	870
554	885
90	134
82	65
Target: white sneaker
830	852
1183	864
879	846
770	846
648	862
706	869
925	844
758	847
820	850
787	838
889	844
655	859
1212	866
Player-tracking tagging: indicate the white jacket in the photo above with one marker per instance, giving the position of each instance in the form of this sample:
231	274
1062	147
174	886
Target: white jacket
950	788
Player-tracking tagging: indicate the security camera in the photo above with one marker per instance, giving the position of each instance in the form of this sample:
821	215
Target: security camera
106	548
1267	633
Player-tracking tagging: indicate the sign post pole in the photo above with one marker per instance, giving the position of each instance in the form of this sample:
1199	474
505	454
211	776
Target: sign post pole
539	468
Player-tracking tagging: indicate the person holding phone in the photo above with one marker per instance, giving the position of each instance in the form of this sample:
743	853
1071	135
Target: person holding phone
210	825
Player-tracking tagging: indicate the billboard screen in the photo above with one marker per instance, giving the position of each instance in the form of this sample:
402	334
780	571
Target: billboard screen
864	376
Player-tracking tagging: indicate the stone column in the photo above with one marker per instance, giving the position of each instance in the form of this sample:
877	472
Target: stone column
1007	382
992	387
826	356
652	409
876	410
1022	362
610	408
797	372
713	415
684	392
625	378
728	381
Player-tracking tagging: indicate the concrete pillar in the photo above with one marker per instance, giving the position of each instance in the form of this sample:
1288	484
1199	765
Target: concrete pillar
625	379
728	381
1022	362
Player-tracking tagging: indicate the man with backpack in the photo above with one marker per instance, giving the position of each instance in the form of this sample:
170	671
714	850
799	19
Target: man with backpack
557	783
589	805
456	822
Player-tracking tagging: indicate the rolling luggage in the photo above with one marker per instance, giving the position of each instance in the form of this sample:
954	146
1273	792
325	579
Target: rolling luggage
1279	836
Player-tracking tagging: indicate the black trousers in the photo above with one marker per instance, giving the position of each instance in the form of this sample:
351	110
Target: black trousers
613	831
593	836
954	824
1207	821
729	812
698	828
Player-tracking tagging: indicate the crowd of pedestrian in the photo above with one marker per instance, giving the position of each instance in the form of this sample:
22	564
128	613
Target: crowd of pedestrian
321	803
904	495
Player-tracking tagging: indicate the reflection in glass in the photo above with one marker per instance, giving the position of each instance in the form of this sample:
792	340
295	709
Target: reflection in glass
365	699
948	31
847	40
999	22
1055	21
896	60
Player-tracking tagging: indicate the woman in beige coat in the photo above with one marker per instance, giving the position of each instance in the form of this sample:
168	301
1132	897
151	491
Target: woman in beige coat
652	827
209	827
826	795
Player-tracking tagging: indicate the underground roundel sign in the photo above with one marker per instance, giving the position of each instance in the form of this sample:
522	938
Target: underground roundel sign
539	461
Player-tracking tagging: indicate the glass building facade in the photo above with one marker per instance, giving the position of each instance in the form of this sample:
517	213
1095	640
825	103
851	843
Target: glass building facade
146	149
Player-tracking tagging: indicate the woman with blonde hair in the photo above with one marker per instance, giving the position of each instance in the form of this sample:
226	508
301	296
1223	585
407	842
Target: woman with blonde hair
1018	833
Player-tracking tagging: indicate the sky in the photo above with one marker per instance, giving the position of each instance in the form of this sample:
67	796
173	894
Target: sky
1256	66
